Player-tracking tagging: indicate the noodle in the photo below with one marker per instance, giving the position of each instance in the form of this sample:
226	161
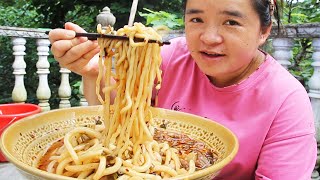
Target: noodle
125	147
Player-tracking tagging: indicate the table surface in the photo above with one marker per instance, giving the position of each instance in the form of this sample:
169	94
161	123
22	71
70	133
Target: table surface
9	171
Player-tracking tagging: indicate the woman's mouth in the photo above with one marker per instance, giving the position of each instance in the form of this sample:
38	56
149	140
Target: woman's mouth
211	55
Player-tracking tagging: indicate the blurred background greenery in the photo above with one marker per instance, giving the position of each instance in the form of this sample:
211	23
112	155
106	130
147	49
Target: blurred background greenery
54	13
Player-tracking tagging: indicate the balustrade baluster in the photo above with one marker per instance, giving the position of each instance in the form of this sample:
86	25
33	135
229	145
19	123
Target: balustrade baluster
43	91
64	89
314	94
19	93
283	50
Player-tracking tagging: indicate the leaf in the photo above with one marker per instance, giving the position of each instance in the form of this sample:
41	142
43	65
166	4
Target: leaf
156	18
77	84
299	15
316	19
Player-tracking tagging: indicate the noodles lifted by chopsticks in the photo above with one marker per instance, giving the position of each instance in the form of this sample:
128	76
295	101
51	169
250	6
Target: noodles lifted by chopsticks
136	66
123	147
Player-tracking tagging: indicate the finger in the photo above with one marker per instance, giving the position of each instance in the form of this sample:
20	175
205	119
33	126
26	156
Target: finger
76	28
86	64
88	56
59	48
78	51
60	34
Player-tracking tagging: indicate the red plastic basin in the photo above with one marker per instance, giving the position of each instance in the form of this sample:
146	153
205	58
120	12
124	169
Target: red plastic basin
9	113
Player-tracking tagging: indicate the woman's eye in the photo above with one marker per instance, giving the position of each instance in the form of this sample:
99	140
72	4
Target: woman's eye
196	20
232	23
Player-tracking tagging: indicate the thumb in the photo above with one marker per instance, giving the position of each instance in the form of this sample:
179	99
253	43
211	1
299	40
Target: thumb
74	27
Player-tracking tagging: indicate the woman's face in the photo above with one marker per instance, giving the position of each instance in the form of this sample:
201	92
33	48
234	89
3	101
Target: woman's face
223	36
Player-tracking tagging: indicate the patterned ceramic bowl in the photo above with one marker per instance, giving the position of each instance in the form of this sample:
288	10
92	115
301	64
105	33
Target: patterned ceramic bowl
22	141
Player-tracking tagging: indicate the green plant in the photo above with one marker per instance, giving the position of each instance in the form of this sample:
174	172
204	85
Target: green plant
160	18
300	12
20	16
301	62
84	16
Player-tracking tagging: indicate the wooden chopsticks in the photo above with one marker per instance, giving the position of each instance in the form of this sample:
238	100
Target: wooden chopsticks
95	36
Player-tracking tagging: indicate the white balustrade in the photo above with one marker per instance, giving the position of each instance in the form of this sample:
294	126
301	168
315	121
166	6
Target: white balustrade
314	83
64	89
43	91
314	94
283	50
19	93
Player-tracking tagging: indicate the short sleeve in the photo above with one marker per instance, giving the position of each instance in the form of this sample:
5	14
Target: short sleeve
290	148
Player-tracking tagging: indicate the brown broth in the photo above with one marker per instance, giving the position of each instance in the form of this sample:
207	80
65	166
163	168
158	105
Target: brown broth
44	161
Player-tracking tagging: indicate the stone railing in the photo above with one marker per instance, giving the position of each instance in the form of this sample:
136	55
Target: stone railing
19	37
282	51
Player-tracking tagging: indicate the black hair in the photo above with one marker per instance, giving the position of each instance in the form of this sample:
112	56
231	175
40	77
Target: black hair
264	8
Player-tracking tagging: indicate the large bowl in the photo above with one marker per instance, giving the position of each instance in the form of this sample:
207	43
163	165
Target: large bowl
23	140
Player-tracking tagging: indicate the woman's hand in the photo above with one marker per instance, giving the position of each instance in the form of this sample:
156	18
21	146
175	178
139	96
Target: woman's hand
74	53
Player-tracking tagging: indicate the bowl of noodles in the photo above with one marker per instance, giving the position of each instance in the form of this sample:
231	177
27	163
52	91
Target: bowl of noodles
35	145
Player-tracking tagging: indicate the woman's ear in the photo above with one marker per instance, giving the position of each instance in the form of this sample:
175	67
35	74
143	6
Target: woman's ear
264	34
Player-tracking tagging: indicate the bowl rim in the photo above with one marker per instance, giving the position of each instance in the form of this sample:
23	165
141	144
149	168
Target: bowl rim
35	171
36	109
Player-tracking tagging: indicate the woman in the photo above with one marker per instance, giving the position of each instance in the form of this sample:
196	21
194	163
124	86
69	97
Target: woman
218	71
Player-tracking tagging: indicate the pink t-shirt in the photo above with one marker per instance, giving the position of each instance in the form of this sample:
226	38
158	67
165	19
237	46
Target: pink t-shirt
269	112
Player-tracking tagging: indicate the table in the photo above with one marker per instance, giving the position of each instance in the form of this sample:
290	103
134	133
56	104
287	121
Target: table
9	171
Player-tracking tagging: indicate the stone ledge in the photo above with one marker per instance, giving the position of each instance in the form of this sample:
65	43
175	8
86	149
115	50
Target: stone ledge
308	30
23	32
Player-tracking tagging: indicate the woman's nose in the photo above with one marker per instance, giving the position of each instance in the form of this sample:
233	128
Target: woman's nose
211	36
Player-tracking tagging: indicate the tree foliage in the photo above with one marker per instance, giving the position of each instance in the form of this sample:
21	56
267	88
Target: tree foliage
159	18
20	15
57	12
300	12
